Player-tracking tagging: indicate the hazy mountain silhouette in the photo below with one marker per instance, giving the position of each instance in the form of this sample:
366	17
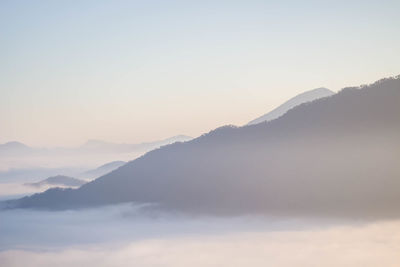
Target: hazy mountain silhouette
31	163
12	148
24	175
291	103
336	156
91	146
102	146
59	180
103	169
30	175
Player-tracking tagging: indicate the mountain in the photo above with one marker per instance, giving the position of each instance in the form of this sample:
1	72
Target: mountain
17	159
59	180
29	175
102	146
291	103
12	148
335	156
91	146
103	169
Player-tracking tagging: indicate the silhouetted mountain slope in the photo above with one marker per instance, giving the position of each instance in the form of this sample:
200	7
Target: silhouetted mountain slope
333	156
291	103
59	180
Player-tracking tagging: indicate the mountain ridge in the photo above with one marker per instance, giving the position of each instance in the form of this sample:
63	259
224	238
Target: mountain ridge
59	180
304	97
16	145
330	157
103	169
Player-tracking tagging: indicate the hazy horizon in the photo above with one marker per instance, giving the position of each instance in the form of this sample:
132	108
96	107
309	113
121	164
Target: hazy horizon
131	71
178	133
88	141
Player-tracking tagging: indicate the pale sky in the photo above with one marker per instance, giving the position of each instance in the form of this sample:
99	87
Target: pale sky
133	71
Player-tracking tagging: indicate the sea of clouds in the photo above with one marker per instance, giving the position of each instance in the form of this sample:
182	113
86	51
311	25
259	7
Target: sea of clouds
129	235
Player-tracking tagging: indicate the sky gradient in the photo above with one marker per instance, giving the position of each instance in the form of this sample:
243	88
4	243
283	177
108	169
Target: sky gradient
133	71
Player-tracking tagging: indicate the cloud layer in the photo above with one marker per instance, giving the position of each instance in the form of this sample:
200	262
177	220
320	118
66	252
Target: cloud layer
124	236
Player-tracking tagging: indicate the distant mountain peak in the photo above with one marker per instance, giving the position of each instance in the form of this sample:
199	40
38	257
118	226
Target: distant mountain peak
14	144
103	169
291	103
316	90
335	156
59	180
14	147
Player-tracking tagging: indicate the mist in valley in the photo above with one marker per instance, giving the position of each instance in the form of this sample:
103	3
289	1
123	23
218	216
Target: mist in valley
311	188
199	133
126	235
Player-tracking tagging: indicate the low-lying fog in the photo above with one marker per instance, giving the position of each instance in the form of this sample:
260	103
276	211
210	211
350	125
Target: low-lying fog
128	235
17	190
